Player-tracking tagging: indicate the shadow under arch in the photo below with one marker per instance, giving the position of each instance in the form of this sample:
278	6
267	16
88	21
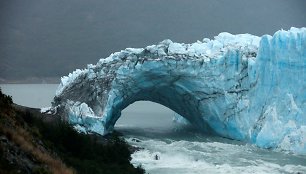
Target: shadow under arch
173	95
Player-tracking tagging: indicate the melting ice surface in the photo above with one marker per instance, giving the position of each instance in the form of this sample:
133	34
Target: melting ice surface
241	87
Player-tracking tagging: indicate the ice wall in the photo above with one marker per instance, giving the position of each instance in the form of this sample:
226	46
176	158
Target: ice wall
279	97
237	86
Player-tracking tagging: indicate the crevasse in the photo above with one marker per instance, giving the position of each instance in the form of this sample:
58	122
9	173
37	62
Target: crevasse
242	87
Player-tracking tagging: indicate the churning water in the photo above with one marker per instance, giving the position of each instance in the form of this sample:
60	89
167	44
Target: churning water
169	148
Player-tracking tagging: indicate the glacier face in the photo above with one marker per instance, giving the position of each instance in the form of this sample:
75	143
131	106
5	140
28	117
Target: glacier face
242	87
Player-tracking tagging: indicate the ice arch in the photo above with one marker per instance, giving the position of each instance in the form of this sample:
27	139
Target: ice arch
239	86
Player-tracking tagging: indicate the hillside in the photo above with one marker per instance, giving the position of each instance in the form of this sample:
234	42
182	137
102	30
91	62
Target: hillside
31	142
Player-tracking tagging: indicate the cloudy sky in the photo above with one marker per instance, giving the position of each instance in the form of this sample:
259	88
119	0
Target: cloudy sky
50	38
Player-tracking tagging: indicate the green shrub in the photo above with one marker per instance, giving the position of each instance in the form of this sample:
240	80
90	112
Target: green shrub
41	170
6	101
83	152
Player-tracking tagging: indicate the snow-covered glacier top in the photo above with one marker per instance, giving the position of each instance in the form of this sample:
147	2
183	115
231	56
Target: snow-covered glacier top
206	50
237	86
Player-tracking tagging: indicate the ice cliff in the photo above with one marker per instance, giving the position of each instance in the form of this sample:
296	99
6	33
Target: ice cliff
242	87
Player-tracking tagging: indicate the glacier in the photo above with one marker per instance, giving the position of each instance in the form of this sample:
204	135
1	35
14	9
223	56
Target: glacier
242	87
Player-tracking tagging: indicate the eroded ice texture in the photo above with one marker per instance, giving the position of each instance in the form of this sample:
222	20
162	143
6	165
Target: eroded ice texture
238	86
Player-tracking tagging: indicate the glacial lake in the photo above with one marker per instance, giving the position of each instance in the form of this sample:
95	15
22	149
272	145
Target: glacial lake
180	148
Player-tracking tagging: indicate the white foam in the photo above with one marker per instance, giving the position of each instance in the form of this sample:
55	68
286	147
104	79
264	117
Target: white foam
45	110
204	157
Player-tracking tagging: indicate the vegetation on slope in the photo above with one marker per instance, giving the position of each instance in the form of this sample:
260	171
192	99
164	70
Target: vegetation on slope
31	144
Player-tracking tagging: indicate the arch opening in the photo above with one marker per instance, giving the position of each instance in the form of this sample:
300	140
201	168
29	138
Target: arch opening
177	99
145	116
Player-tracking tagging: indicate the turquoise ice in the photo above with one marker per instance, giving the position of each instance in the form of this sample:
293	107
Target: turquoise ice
242	87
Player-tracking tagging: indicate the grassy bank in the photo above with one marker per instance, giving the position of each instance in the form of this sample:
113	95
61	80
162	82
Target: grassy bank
29	143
